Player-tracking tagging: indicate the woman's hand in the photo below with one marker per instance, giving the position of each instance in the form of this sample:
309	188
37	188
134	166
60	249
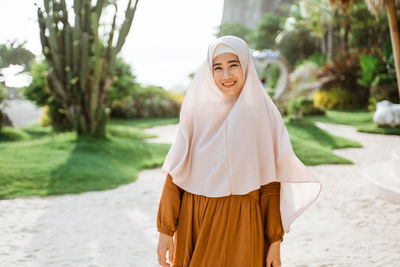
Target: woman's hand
165	243
274	254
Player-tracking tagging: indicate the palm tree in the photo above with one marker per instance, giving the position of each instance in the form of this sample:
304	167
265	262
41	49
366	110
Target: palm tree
375	6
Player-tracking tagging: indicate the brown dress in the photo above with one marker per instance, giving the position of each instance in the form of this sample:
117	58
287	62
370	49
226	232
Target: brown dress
235	230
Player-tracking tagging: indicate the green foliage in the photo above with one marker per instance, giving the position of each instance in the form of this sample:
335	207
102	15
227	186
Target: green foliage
38	91
384	87
344	69
335	98
299	43
81	63
2	97
302	106
236	29
11	134
272	74
317	58
366	29
146	102
267	30
370	68
14	53
123	83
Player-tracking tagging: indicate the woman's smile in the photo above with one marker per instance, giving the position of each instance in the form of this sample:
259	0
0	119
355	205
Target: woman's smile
228	74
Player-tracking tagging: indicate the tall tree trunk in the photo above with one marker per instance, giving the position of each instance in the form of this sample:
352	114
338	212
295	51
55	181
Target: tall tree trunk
330	33
346	39
394	34
324	40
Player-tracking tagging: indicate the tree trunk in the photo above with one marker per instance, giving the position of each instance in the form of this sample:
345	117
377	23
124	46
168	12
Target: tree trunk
346	39
329	42
394	34
324	40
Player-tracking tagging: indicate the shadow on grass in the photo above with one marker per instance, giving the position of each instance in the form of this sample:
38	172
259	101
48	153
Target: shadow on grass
96	164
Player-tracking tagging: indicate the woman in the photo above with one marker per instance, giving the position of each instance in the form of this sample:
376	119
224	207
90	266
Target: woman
233	183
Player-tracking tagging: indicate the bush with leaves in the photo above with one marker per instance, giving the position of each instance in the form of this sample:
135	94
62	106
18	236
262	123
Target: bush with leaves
127	98
318	58
302	106
335	98
345	72
146	102
38	91
124	81
370	68
2	97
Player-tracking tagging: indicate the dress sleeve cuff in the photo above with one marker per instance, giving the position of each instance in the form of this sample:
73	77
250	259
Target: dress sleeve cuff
165	231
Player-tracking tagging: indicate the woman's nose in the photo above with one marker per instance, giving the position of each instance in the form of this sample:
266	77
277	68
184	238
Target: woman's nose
227	73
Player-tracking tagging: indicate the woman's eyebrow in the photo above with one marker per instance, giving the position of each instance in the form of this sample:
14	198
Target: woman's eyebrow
230	61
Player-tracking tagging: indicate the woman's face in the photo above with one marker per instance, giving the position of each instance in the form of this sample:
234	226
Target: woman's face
228	74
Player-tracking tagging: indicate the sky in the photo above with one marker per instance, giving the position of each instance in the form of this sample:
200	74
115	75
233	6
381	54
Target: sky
168	40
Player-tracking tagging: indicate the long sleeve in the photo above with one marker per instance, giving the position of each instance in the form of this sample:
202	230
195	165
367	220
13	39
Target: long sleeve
270	208
169	207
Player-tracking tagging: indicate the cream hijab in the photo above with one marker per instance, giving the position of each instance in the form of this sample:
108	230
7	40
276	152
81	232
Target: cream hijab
227	146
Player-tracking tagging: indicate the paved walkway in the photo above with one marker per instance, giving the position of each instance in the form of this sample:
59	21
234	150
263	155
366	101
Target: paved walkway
346	226
22	112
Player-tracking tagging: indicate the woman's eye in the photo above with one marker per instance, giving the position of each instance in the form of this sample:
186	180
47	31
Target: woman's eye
234	65
217	68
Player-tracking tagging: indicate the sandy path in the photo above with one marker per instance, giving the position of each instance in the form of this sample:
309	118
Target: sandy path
346	226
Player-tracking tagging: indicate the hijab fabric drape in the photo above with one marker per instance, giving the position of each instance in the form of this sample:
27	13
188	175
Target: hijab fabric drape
228	146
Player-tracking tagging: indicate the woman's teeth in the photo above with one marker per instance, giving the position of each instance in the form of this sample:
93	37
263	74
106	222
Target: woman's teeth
229	84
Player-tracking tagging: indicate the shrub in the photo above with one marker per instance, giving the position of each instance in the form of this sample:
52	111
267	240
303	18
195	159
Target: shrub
318	58
302	106
146	102
38	91
335	98
370	68
384	87
10	134
2	97
345	71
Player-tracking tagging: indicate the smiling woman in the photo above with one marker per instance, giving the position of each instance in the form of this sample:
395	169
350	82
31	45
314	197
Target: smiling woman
227	71
233	183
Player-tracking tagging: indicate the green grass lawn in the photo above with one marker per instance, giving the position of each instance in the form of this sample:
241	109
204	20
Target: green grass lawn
313	146
44	163
361	119
37	161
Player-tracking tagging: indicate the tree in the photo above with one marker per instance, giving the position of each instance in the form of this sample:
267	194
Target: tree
267	30
375	6
81	65
236	29
39	91
12	53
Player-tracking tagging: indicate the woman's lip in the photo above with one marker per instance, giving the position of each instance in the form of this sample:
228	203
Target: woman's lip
228	86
